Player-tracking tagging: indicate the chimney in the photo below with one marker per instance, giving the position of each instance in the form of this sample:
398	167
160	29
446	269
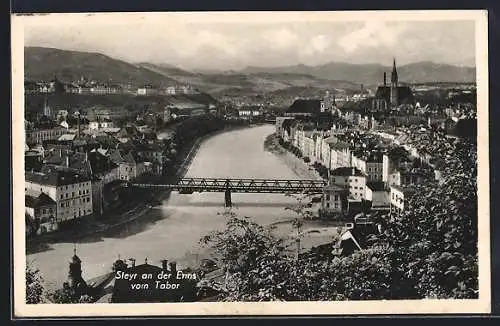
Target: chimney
86	156
164	264
67	161
173	267
385	79
353	171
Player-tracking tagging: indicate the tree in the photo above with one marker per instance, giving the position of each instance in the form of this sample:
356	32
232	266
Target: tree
301	214
68	295
34	285
436	236
428	251
252	258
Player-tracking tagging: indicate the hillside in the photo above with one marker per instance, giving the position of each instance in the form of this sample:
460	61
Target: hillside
372	74
45	63
244	83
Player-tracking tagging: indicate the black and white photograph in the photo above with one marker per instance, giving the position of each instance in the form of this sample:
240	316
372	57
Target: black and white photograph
331	162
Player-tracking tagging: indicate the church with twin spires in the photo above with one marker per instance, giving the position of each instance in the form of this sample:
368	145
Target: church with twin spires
393	95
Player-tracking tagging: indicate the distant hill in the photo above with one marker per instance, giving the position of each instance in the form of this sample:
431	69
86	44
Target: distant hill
244	83
372	74
45	63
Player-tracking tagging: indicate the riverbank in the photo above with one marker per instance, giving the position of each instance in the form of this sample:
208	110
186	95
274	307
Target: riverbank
315	232
299	167
135	211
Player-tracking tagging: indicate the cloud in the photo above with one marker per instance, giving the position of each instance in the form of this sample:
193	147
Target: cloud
320	43
232	45
281	39
371	34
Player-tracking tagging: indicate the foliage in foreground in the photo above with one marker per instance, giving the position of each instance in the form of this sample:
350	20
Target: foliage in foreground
36	292
429	251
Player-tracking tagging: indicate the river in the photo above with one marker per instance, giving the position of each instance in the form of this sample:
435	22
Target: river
172	230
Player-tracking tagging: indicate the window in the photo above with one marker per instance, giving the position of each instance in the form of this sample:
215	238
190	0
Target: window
72	194
62	204
62	196
79	192
88	199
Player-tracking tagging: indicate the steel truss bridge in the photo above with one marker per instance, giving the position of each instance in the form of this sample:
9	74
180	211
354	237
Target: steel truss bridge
190	185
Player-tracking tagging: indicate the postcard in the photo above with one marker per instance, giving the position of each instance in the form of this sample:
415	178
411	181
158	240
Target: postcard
250	163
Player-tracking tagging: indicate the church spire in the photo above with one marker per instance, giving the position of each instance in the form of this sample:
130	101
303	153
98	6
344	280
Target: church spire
394	74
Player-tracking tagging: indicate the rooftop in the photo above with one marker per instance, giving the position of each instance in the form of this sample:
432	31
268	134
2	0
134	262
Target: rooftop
42	199
376	185
52	176
406	189
347	171
309	106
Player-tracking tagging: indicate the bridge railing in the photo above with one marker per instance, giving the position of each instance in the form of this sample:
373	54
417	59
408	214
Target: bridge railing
240	185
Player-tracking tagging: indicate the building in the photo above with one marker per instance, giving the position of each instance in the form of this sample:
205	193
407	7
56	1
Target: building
103	89
101	123
306	107
71	190
387	97
399	197
101	170
281	125
371	164
170	90
250	111
152	153
340	153
351	179
378	194
41	211
333	200
148	90
38	136
131	166
61	115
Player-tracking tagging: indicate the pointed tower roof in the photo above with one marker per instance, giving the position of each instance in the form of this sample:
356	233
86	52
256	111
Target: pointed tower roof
394	74
75	258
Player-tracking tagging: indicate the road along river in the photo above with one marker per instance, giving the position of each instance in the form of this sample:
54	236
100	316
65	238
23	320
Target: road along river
172	230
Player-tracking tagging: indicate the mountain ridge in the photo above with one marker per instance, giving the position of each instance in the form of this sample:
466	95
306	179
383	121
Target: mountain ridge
43	63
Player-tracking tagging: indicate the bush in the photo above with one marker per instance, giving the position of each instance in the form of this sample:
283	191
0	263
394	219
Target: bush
34	285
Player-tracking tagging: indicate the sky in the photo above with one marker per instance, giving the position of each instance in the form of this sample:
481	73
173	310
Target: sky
209	41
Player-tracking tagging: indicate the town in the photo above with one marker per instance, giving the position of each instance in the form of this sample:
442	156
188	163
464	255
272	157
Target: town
373	151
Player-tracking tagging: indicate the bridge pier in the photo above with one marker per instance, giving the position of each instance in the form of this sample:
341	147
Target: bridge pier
227	197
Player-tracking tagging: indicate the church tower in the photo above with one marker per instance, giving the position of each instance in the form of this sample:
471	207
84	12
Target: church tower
75	279
394	84
46	108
